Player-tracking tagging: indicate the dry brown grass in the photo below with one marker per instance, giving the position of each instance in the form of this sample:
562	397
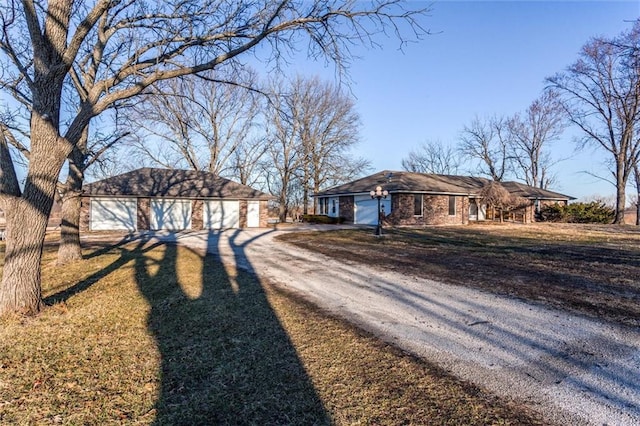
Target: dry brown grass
591	270
154	334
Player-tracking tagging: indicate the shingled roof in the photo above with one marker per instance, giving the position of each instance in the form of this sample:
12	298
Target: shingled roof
399	181
151	182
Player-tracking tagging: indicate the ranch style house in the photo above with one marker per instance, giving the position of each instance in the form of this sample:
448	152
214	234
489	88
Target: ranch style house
425	199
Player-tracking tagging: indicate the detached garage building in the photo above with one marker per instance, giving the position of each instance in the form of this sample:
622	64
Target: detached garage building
154	199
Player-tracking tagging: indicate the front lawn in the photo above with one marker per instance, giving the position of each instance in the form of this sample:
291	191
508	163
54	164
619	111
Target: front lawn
587	269
144	333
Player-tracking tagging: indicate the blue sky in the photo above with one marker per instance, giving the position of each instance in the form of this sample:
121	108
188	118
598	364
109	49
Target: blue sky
483	58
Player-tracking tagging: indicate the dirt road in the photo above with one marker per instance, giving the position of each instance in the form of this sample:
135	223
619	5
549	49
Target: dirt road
571	369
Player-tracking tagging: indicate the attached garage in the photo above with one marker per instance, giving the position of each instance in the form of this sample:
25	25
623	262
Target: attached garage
221	214
366	209
118	214
170	214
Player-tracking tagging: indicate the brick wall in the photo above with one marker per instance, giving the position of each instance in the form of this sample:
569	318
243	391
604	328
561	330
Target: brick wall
435	210
346	208
243	213
264	214
402	209
197	211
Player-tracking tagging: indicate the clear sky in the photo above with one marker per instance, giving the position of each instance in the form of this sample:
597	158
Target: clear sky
483	58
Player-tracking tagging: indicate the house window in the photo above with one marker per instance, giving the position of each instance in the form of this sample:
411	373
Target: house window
417	205
323	205
452	205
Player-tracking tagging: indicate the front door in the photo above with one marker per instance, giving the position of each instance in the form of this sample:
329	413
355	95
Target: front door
473	210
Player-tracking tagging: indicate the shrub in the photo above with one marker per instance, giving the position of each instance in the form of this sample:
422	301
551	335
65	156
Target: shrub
592	212
319	218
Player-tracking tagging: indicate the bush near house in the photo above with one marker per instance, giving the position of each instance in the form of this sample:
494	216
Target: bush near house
592	212
319	218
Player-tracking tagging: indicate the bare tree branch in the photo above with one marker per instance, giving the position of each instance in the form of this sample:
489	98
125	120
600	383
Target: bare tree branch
485	142
433	157
529	134
601	96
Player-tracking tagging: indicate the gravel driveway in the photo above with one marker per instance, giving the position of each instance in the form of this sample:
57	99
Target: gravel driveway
571	369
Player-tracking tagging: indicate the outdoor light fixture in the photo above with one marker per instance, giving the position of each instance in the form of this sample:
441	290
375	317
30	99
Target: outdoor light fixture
379	194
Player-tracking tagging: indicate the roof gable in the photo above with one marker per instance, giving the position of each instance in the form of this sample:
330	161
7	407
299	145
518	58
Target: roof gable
153	182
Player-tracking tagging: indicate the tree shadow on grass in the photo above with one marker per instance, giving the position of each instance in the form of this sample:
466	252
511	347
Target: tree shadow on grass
225	357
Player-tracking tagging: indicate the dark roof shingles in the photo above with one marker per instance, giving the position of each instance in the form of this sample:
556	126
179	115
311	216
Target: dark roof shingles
152	182
435	184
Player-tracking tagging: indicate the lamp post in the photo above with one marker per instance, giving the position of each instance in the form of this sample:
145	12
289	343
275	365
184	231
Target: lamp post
379	194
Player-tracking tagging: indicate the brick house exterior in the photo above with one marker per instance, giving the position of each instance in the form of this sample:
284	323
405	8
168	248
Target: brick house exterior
346	208
417	199
141	188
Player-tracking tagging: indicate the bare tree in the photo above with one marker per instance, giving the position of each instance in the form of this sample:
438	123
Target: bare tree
531	133
312	129
433	157
115	49
245	162
89	150
284	146
601	95
329	128
485	142
196	123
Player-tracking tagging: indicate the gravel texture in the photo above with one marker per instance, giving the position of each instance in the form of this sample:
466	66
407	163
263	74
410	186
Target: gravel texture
571	369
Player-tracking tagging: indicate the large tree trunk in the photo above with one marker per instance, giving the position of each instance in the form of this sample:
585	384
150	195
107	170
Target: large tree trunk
21	289
27	218
305	203
282	210
27	215
70	249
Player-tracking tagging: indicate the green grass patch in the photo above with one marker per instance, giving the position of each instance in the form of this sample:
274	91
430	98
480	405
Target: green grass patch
153	334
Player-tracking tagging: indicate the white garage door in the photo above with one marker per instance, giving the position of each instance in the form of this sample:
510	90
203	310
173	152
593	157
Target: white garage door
173	215
118	214
366	209
221	214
